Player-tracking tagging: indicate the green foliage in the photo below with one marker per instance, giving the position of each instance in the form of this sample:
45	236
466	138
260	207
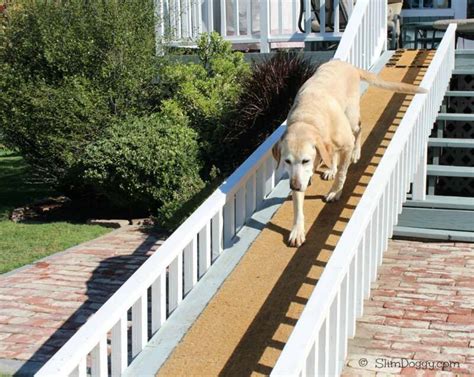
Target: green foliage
207	90
149	163
52	125
69	70
111	43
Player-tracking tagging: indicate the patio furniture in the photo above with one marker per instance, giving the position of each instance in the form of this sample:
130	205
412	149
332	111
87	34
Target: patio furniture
424	34
465	27
315	24
394	22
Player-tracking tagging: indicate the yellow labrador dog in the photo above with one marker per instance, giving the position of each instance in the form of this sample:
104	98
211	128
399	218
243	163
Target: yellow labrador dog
324	126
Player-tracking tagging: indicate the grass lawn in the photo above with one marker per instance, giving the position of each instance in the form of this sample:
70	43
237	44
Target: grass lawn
22	244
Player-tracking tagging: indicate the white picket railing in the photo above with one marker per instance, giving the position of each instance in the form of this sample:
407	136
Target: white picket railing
169	274
318	343
179	22
365	37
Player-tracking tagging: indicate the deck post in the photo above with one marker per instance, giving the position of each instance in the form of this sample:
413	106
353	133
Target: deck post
419	181
264	26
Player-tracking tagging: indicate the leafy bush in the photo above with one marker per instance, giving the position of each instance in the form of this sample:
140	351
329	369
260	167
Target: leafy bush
52	125
149	163
207	90
110	43
70	69
267	96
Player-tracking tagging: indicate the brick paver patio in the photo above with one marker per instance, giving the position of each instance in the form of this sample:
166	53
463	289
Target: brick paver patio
42	305
421	309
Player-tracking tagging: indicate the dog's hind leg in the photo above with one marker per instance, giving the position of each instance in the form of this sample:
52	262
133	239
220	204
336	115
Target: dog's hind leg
353	116
336	189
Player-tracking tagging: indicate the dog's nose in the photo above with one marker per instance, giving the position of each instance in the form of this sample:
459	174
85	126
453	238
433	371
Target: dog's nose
295	186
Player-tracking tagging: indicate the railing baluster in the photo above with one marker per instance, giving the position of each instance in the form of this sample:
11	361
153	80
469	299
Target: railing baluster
240	205
334	340
270	175
99	358
175	283
250	198
249	17
229	222
190	257
323	348
119	354
139	324
81	369
158	302
344	308
322	16
260	176
204	250
217	234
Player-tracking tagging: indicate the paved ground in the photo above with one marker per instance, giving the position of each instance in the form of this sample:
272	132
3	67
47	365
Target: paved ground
245	326
42	305
421	309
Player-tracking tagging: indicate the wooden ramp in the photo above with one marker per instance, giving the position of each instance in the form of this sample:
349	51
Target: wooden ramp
244	328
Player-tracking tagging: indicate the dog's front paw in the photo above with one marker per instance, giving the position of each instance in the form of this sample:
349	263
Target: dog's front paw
333	196
329	174
355	155
297	236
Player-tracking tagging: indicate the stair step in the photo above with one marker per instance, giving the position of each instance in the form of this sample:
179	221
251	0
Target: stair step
443	219
443	202
450	143
464	52
450	171
456	117
433	234
463	71
459	93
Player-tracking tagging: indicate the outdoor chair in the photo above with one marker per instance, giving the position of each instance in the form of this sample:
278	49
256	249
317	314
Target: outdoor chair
316	22
394	22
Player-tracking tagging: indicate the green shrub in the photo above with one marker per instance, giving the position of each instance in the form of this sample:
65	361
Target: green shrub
149	163
266	98
51	126
111	43
69	70
207	90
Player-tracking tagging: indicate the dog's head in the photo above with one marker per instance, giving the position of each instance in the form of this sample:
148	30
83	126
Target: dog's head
301	153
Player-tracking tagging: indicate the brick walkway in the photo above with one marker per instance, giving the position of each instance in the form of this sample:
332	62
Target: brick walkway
421	309
42	305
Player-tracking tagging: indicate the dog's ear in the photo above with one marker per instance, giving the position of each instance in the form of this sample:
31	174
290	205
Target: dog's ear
325	151
276	151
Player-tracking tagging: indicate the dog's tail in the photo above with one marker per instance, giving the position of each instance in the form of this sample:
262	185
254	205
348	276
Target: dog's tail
376	81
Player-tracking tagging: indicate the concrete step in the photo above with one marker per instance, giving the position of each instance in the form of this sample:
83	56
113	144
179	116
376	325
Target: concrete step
450	171
450	143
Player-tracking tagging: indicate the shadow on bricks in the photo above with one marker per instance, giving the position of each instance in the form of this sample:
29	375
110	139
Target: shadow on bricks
105	280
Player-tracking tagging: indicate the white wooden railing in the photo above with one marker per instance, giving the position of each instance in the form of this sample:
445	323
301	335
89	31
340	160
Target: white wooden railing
318	344
170	273
365	37
180	22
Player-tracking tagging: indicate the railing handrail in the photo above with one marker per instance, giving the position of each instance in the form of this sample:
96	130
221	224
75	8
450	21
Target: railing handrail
82	342
302	337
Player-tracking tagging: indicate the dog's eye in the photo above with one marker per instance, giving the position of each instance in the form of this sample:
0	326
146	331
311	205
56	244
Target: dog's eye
305	161
288	161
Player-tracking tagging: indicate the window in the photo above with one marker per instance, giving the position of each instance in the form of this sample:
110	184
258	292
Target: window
470	9
417	4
